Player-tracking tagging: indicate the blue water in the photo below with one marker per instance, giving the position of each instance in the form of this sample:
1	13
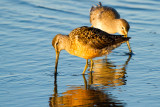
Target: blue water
27	57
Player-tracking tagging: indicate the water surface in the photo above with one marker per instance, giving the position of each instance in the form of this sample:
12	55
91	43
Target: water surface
27	56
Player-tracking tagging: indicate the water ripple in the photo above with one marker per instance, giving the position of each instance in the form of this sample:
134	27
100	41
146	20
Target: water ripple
27	56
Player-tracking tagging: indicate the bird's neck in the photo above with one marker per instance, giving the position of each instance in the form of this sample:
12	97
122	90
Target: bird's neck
116	24
65	44
110	26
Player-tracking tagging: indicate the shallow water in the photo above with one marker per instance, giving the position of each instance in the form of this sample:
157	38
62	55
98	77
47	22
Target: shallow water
27	56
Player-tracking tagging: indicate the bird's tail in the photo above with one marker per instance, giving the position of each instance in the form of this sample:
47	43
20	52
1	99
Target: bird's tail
124	39
118	40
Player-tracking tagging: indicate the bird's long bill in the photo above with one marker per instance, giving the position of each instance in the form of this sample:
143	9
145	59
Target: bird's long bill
56	63
128	44
129	47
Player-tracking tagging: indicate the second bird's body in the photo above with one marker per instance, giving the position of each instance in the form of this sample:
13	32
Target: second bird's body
108	19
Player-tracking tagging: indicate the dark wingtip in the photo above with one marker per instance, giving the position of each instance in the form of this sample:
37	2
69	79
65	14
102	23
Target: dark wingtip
129	38
125	38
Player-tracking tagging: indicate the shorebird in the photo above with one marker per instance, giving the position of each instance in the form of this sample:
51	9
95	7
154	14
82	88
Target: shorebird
86	42
108	19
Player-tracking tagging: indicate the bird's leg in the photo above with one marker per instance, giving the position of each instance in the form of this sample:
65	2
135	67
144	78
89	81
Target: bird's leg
91	65
85	66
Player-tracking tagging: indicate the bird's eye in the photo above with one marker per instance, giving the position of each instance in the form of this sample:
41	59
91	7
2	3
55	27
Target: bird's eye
56	43
123	28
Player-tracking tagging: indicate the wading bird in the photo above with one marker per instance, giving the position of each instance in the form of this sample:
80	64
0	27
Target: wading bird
86	42
108	19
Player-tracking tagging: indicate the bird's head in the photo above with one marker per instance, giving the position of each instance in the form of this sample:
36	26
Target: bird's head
123	27
58	43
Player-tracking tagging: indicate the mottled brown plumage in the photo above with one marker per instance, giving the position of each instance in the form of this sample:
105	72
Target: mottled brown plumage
87	43
95	38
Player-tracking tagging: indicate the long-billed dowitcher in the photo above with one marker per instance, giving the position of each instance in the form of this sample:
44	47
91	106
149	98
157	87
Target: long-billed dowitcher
108	19
87	43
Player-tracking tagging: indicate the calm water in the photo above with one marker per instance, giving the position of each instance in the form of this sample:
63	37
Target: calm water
27	57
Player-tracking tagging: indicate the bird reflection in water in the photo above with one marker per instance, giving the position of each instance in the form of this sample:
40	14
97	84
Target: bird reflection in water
106	73
90	95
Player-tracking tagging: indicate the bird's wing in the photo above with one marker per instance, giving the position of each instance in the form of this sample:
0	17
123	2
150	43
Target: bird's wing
109	12
95	38
100	11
